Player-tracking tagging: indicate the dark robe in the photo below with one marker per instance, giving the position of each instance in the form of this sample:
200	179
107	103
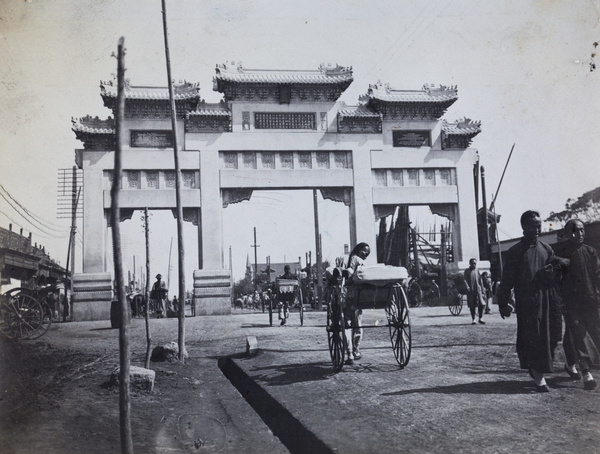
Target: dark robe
537	303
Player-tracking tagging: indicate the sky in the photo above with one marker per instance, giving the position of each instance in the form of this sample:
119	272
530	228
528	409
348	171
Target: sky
522	68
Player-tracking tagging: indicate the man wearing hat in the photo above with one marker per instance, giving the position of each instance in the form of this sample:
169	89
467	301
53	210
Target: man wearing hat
159	295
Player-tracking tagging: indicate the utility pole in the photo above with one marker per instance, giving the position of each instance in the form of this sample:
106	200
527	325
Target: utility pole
486	236
124	354
181	255
147	290
255	246
318	248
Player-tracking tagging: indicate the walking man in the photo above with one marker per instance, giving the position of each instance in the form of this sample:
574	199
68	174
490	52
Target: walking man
159	295
475	291
528	270
580	293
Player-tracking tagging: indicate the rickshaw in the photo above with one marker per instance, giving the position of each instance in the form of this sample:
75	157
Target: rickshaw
25	313
385	293
284	296
457	293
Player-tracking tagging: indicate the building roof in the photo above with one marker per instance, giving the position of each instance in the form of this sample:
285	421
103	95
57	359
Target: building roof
464	127
182	91
93	125
325	74
428	94
357	112
205	109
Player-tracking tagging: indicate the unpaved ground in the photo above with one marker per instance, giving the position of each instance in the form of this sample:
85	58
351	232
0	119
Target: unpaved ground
461	392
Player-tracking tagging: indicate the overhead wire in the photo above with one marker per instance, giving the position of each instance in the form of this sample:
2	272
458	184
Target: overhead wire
28	216
45	235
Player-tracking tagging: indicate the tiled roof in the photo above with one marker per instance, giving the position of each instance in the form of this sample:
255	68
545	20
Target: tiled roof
181	91
429	94
464	127
93	125
357	111
325	74
205	109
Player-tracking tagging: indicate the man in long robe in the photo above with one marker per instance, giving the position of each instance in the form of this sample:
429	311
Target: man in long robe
581	295
475	290
529	272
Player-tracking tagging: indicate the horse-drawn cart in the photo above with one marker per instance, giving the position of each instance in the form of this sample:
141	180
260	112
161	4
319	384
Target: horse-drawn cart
375	287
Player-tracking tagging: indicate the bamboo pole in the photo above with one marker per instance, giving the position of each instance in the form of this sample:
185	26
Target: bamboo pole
181	254
124	354
147	290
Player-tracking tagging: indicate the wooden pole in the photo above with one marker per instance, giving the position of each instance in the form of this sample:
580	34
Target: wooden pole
255	274
124	354
501	178
319	258
181	255
147	290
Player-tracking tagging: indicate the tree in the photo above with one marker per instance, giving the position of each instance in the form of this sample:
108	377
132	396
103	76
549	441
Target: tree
586	207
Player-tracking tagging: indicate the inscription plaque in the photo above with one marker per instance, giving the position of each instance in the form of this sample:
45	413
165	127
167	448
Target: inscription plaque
413	138
152	139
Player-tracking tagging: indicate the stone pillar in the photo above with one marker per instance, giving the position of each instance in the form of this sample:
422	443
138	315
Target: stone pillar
211	220
92	295
212	283
94	223
362	203
212	292
465	227
92	289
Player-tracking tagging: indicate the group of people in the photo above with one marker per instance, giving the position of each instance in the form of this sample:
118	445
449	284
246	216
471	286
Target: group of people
545	285
541	285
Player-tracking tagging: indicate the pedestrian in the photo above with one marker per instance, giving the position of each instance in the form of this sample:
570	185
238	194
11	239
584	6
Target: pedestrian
159	295
580	291
353	314
475	291
285	294
487	290
529	272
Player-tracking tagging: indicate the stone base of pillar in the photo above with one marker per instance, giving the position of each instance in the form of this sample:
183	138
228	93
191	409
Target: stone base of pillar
212	292
92	294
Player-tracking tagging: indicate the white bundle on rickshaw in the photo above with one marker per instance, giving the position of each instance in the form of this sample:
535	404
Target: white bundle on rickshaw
379	274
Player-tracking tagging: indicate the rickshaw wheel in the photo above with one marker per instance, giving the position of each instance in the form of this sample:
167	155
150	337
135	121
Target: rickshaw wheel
22	316
301	306
415	294
432	294
455	303
399	325
335	330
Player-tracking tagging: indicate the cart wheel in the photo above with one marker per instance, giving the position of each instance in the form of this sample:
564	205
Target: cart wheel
301	306
399	324
22	316
335	330
455	303
415	294
432	294
270	311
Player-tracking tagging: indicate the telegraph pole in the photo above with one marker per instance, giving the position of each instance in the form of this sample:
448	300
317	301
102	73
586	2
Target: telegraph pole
124	353
318	248
255	246
181	254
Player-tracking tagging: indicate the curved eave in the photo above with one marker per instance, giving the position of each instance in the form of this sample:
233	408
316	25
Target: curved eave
209	113
467	132
347	113
285	79
82	129
440	100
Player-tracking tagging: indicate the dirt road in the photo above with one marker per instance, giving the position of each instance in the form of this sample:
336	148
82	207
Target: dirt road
462	391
